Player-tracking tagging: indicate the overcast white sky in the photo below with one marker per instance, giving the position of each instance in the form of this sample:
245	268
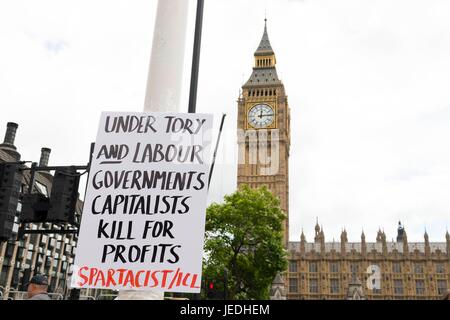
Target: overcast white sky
368	85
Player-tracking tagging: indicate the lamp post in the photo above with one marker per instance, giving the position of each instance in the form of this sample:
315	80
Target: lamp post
196	57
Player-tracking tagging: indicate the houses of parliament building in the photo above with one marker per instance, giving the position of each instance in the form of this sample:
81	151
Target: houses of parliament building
319	269
368	270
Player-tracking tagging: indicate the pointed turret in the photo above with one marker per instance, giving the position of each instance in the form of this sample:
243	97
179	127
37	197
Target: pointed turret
278	290
384	243
264	48
322	241
400	232
427	244
302	243
302	237
363	244
317	231
264	71
344	235
405	242
447	237
379	235
344	241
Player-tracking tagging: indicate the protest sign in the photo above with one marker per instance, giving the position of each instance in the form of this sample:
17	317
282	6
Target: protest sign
143	220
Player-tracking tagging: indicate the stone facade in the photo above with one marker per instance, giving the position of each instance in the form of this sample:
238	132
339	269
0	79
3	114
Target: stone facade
386	270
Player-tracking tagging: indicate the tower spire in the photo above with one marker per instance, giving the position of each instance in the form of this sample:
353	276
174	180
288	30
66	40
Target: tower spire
265	91
264	48
264	69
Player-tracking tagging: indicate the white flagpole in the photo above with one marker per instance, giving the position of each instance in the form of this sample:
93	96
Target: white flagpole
167	60
164	81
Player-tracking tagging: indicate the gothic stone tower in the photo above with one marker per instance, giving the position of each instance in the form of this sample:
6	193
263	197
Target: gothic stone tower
264	129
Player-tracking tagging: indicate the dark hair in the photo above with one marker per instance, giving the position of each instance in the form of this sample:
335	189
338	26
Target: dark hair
446	295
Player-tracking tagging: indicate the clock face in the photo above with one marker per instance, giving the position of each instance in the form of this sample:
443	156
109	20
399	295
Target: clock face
261	116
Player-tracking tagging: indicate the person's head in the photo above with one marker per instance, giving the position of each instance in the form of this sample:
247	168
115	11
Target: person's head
38	284
446	295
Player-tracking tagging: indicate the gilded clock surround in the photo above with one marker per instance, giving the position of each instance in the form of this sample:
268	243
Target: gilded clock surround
249	106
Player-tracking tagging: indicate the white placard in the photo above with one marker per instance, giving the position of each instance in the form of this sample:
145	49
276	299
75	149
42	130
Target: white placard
143	220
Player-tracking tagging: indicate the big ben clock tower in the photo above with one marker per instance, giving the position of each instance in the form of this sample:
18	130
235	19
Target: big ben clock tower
264	129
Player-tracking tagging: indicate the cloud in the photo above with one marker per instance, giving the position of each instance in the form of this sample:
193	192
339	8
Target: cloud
407	175
367	84
55	45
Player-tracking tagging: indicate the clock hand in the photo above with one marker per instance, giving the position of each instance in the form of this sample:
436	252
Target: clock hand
267	115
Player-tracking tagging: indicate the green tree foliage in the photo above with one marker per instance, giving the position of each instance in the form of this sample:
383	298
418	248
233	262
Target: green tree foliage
244	238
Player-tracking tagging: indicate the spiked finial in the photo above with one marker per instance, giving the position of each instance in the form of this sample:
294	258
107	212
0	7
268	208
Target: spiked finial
264	47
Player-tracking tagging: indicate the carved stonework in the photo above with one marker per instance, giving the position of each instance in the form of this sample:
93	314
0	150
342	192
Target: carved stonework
355	290
278	290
